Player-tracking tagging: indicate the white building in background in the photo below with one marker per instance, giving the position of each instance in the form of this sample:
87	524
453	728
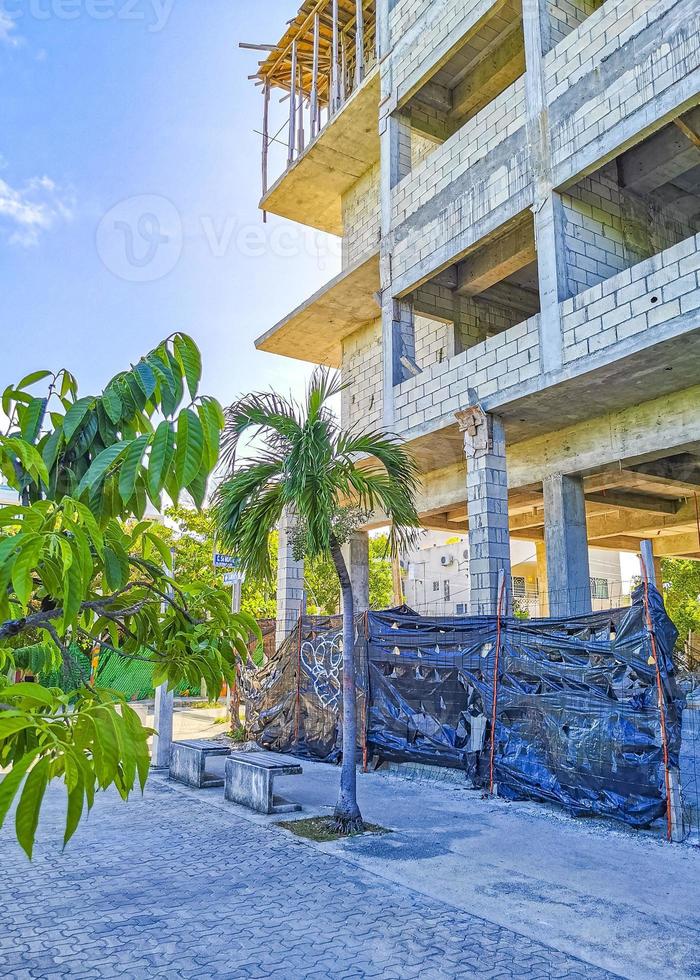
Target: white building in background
436	576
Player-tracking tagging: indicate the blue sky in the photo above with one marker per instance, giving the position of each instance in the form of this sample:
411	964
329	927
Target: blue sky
129	182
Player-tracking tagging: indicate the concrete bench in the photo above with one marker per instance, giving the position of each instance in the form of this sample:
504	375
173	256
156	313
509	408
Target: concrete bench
250	777
188	760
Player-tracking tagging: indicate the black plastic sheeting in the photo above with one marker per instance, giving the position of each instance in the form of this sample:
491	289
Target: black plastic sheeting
577	722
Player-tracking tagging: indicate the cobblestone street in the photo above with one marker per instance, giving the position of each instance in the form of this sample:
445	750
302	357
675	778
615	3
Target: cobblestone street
169	886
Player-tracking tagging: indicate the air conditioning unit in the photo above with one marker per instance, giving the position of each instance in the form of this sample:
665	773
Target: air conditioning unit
446	560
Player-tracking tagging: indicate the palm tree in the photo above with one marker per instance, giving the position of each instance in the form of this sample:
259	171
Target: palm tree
330	481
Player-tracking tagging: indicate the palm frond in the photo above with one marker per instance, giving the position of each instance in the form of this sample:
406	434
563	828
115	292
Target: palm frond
278	418
310	466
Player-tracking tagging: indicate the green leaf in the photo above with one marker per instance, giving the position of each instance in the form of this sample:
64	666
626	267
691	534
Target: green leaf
73	594
212	420
161	547
190	447
50	447
106	738
100	465
31	379
116	568
197	489
112	403
75	416
24	566
138	735
31	417
13	780
190	360
74	810
28	456
130	467
29	692
161	457
145	377
10	723
27	816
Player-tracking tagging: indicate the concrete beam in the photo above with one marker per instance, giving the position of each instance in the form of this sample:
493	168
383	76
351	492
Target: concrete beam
652	430
493	73
513	298
639	523
678	546
495	261
658	159
624	500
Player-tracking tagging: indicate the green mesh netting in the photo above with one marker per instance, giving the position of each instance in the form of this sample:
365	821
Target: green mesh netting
130	677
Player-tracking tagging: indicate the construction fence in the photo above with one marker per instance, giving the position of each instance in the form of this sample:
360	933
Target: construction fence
591	713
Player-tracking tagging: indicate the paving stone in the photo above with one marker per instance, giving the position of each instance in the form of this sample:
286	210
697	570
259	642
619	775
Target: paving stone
168	886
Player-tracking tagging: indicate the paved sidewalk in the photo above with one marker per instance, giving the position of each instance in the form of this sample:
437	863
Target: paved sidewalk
170	886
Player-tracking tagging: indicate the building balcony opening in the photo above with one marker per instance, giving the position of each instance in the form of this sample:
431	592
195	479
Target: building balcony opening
490	58
641	203
324	57
492	288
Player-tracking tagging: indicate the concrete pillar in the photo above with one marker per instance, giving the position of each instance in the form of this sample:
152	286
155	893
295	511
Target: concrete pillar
398	331
547	210
290	582
542	586
356	553
163	725
487	505
566	541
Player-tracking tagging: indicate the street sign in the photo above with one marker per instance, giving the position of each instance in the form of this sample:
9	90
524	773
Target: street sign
226	561
233	578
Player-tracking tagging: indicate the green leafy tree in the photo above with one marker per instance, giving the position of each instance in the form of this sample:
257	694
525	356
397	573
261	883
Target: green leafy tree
681	587
80	565
330	480
323	587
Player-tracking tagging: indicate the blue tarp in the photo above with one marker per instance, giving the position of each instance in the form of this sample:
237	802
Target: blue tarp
577	722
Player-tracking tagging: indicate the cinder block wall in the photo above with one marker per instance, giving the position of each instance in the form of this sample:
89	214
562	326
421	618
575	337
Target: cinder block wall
361	218
361	400
609	229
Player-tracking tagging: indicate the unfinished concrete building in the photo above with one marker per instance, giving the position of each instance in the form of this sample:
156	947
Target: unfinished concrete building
517	187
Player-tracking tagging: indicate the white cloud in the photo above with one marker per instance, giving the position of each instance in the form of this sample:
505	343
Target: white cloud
7	30
29	211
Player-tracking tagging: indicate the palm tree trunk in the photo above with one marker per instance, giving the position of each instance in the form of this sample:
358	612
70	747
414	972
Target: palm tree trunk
347	813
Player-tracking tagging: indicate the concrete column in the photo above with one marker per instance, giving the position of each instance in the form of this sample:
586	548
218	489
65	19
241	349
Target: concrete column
487	505
398	332
163	725
566	540
290	582
542	586
548	211
356	553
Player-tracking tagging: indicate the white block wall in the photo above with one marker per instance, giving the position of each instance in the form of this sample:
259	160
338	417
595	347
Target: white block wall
608	230
593	86
424	31
361	400
435	341
444	227
635	301
494	365
361	218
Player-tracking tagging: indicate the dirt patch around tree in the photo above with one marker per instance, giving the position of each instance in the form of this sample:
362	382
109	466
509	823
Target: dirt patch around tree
322	829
